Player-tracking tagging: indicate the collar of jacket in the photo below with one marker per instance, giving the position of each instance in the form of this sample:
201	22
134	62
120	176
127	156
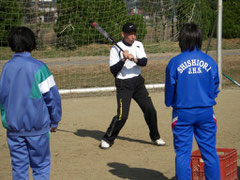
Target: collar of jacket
24	54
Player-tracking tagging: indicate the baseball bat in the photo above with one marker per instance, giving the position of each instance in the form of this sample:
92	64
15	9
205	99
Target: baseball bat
209	41
106	35
235	82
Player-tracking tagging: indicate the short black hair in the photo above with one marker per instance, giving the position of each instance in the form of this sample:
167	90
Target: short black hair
22	39
190	37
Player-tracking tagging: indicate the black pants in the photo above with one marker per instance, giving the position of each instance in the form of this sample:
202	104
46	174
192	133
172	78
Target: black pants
126	90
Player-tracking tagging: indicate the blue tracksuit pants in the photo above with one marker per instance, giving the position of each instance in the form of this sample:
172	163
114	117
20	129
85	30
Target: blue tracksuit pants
33	151
201	123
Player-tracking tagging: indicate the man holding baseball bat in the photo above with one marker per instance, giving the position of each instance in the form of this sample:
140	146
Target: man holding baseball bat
125	66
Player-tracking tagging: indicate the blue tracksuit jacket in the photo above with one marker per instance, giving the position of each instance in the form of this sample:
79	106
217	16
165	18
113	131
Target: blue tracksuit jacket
29	98
196	76
191	87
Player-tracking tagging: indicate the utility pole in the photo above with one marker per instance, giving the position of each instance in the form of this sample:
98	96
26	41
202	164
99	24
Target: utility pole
219	42
38	23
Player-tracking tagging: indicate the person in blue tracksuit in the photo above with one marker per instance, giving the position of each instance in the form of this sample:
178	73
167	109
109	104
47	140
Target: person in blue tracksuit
30	107
191	86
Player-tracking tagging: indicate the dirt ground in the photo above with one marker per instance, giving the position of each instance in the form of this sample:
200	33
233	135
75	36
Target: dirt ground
76	155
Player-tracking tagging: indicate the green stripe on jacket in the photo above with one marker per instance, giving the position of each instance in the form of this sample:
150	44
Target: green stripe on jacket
3	116
42	74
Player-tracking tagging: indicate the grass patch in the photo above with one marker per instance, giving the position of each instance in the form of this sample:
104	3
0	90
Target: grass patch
103	49
70	76
98	75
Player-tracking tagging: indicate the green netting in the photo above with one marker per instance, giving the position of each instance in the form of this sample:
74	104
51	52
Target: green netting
77	54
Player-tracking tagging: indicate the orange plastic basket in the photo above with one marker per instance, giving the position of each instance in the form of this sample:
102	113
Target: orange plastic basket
228	164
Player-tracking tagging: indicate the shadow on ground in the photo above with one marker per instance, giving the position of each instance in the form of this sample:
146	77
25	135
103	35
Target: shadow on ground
125	172
96	134
122	170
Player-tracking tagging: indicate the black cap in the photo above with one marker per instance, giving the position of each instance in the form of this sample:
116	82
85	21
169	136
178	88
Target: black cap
129	27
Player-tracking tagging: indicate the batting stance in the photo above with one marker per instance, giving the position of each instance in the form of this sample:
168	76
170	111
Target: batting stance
125	66
191	86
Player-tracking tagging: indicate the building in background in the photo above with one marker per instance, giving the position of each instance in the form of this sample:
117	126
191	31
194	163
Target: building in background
133	7
39	10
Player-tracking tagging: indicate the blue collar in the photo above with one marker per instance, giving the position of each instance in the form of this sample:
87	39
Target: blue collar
24	54
195	49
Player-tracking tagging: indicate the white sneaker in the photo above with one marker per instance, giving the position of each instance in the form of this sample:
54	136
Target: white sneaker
159	142
104	145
